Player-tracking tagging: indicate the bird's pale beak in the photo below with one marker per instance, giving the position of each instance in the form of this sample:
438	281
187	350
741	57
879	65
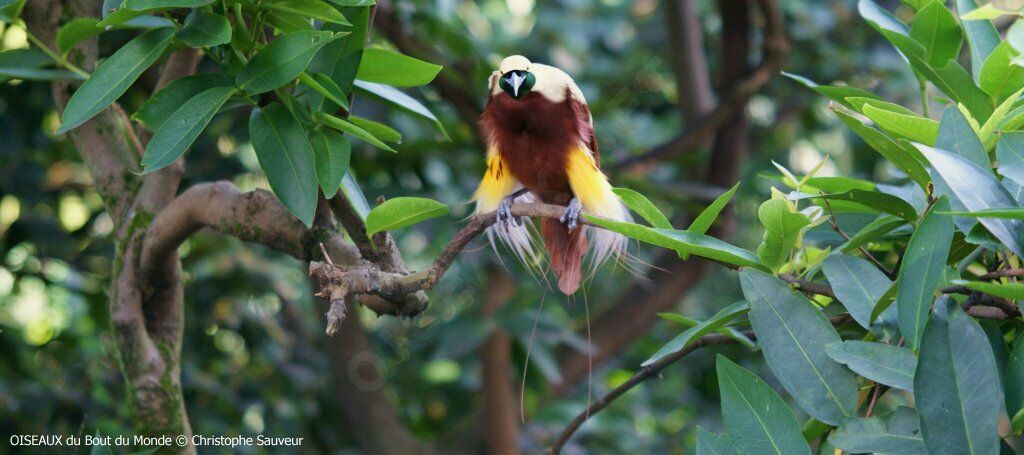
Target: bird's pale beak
515	80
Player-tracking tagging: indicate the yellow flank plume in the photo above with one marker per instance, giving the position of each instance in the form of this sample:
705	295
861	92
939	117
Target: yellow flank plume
591	186
497	183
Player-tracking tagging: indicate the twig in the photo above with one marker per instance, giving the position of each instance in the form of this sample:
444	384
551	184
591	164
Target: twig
651	371
1004	273
835	226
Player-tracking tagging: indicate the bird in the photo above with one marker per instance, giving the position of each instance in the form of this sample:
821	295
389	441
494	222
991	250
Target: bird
541	146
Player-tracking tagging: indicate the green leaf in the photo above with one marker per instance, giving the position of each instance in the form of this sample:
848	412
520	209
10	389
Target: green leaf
905	159
1009	213
401	212
871	435
871	232
396	98
707	217
987	132
167	100
888	298
286	157
76	31
857	283
837	93
912	127
793	334
756	419
326	87
1012	291
982	37
345	126
315	9
999	77
782	229
956	386
1010	154
183	127
1014	381
988	12
114	76
957	136
386	67
921	271
720	318
874	201
977	189
282	60
682	241
332	154
643	207
935	28
289	22
147	5
377	129
204	29
350	189
10	10
709	443
884	363
37	74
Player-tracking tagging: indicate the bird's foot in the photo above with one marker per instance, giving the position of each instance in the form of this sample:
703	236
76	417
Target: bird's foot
571	217
505	212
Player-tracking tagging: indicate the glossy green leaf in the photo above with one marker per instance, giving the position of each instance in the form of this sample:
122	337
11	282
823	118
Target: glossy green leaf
957	136
401	212
837	93
167	100
756	419
1012	291
912	127
1006	213
977	189
315	9
114	76
921	271
76	31
905	159
288	23
643	207
1014	378
720	318
988	11
872	232
1010	154
282	60
987	133
874	201
857	284
682	241
350	189
936	29
332	154
204	29
884	363
999	77
783	227
10	10
345	126
982	37
183	127
386	67
377	129
793	334
707	217
956	385
396	98
326	87
709	443
902	435
286	157
147	5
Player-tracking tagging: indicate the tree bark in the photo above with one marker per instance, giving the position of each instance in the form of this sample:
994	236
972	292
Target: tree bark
499	398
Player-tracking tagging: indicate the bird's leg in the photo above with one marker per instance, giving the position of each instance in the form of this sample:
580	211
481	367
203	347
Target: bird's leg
571	217
505	208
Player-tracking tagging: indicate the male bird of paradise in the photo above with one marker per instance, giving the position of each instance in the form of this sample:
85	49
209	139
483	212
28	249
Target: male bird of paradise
541	146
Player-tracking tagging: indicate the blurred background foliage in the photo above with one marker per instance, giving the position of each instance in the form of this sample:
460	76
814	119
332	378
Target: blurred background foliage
254	350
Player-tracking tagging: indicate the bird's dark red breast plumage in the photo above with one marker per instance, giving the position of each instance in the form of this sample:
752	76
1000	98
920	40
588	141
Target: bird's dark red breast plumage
541	146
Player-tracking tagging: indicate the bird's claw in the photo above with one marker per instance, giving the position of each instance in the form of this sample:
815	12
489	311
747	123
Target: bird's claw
505	212
571	217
